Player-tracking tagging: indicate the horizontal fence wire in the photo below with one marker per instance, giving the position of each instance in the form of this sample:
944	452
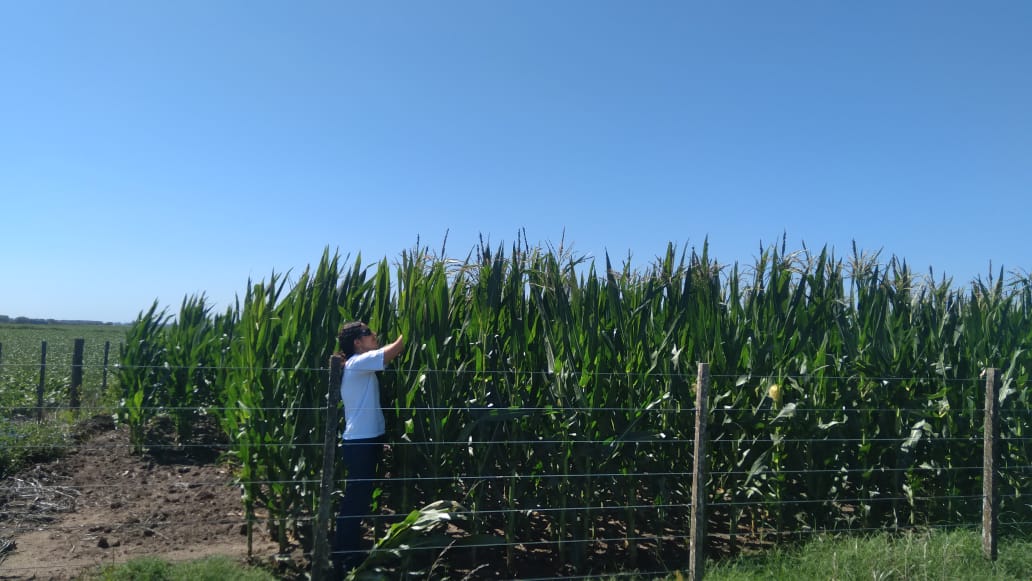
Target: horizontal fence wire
657	437
861	500
488	477
637	573
847	471
471	442
530	544
683	538
546	410
863	470
322	410
526	511
203	409
107	526
114	366
494	477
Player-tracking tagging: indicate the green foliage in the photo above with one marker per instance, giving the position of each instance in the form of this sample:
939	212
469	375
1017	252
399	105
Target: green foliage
919	555
26	442
20	358
412	545
276	388
142	374
154	569
174	366
531	379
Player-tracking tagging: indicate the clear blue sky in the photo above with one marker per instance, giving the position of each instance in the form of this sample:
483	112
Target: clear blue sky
150	150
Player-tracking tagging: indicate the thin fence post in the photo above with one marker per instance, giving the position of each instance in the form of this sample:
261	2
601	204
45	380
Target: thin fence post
321	550
990	473
42	381
103	378
78	347
697	531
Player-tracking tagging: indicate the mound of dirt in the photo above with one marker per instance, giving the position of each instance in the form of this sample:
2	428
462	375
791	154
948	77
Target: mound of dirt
101	504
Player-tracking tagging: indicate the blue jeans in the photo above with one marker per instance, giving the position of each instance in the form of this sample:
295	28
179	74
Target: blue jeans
360	460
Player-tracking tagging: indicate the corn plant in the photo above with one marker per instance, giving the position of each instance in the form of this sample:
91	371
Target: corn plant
275	393
142	373
545	391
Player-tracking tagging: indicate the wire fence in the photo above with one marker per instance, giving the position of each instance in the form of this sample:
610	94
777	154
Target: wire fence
747	504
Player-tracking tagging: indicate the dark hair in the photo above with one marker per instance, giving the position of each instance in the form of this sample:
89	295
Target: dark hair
346	338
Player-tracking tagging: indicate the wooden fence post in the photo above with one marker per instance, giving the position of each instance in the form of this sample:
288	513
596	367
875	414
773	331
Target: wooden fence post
697	531
990	473
103	379
78	347
42	381
321	550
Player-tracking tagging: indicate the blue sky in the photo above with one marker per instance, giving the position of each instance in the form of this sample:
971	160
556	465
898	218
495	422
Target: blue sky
151	150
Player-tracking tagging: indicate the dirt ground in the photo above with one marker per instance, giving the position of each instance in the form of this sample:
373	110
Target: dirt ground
101	504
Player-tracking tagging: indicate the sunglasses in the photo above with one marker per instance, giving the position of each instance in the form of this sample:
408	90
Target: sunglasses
365	332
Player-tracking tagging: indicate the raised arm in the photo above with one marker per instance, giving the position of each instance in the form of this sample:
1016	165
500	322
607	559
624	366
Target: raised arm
394	349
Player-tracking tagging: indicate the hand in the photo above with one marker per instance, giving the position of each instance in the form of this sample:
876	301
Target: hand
393	349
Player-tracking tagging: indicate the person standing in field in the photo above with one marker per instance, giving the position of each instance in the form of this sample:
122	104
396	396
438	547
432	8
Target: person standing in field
364	431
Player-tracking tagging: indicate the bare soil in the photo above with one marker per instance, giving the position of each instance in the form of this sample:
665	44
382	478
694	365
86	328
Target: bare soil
101	504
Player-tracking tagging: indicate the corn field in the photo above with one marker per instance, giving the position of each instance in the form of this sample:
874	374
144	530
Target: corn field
550	394
20	363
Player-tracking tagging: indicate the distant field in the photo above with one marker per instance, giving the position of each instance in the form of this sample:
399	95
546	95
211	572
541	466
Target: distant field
20	357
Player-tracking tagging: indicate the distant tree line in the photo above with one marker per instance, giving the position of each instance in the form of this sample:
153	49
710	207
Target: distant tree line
28	321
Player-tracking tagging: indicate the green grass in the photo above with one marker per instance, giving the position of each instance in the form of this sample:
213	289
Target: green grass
926	556
154	569
20	355
22	440
26	442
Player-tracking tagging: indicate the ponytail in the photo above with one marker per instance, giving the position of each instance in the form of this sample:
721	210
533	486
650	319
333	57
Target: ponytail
346	338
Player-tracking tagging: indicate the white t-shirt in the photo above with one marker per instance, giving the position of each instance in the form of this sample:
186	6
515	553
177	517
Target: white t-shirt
360	391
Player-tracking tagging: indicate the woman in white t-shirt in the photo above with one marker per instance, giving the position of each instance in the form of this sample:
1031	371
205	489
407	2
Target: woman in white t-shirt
363	433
